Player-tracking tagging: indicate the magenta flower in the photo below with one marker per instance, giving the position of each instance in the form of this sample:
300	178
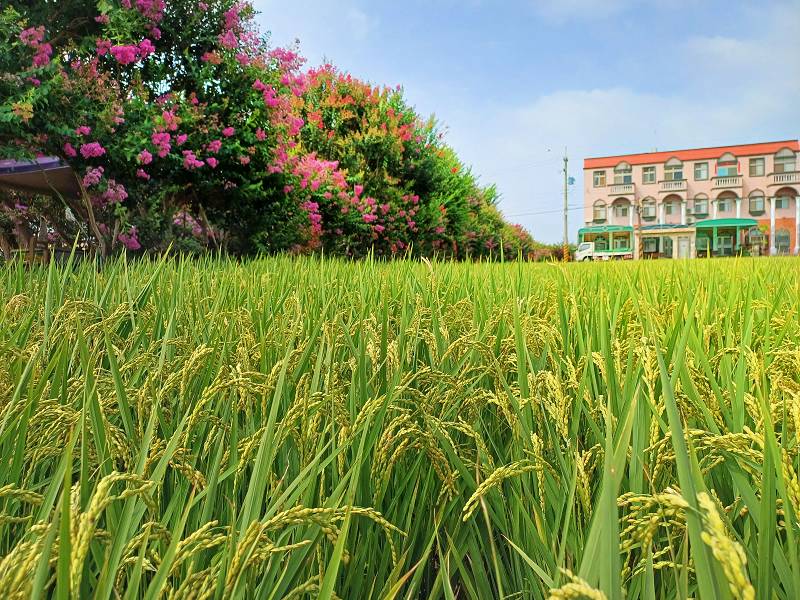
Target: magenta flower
260	135
92	177
130	239
83	130
190	161
102	19
370	218
181	139
245	160
125	55
212	162
92	150
103	47
228	131
142	174
214	146
379	228
69	150
145	157
359	189
146	48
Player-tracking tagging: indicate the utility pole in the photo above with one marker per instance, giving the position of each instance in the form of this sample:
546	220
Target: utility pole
566	206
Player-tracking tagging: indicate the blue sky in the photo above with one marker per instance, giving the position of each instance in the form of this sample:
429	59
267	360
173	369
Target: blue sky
515	81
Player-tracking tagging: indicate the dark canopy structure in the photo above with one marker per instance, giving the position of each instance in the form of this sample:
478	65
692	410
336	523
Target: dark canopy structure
47	175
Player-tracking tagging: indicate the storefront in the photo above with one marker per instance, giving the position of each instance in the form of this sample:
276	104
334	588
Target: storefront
725	237
667	241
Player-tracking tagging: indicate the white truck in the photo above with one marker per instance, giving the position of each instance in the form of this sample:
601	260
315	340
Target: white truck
589	251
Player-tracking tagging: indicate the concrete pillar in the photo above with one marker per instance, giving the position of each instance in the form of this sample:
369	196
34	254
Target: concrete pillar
797	225
662	213
684	208
738	208
630	214
714	206
772	249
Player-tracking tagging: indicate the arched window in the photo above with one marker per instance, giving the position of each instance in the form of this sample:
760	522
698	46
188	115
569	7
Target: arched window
700	205
785	161
649	208
782	241
623	174
622	208
673	170
757	204
725	202
783	199
727	165
600	212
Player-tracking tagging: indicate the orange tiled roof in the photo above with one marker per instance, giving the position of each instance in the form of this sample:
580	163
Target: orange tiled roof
694	154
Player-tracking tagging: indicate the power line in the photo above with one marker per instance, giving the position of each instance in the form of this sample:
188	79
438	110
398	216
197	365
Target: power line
546	212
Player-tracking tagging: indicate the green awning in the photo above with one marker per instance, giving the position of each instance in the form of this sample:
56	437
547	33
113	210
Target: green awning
604	229
719	223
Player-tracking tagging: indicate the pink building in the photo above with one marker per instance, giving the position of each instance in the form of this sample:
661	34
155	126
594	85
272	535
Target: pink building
704	202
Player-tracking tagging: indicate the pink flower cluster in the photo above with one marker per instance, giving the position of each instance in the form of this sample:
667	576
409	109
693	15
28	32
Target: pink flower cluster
130	239
150	9
190	161
115	193
144	157
92	177
92	150
33	38
125	54
184	219
161	140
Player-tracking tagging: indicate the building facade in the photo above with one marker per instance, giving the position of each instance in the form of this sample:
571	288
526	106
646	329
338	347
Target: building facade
722	201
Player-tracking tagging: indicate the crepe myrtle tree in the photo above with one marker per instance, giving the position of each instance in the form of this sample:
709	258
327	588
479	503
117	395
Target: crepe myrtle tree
214	139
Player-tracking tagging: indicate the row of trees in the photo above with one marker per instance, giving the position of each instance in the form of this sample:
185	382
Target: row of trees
186	128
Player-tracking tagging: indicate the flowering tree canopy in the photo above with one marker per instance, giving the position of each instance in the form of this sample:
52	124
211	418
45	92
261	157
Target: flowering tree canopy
215	139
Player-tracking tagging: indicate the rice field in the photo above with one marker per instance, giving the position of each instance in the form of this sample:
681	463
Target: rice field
303	428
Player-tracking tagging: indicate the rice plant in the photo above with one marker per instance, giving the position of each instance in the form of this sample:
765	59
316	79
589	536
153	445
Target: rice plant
306	427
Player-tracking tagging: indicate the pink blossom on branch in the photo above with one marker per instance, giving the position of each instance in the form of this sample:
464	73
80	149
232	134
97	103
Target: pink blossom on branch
92	150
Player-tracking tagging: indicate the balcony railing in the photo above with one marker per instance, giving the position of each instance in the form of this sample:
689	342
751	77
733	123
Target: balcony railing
727	182
672	185
622	188
784	178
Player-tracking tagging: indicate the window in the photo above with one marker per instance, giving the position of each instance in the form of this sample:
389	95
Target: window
601	243
782	240
623	174
650	244
621	210
701	205
785	161
700	171
648	209
649	175
673	171
727	166
756	203
756	167
599	211
599	179
755	237
670	208
781	202
724	204
621	243
584	247
702	243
